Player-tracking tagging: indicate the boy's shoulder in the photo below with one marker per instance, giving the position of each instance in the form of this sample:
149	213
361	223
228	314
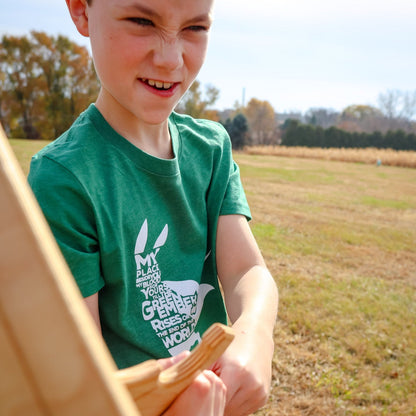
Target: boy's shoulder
74	154
208	131
74	141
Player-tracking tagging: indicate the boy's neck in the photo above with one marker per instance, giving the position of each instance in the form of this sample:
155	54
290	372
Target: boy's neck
153	139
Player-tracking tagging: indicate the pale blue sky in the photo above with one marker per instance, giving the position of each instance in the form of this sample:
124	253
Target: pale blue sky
296	54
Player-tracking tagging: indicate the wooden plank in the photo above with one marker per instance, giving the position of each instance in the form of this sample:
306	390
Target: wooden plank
16	393
154	390
61	354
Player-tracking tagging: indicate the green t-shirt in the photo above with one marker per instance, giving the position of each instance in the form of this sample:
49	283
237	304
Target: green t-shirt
141	230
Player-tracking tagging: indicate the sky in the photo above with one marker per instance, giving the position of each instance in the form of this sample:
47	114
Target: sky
295	54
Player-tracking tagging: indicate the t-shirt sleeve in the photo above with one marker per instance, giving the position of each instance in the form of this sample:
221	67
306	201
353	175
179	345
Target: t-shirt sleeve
70	215
235	201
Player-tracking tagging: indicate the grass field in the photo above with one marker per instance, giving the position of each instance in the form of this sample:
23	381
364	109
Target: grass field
340	239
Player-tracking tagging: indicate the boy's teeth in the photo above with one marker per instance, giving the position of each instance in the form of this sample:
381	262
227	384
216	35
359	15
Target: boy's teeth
158	84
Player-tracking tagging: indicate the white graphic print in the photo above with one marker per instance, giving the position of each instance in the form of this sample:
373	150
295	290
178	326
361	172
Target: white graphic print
172	308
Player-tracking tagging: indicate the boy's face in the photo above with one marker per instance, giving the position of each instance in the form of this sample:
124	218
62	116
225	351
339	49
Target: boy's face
147	52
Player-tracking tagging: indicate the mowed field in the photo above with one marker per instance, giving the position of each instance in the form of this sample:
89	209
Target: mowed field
340	240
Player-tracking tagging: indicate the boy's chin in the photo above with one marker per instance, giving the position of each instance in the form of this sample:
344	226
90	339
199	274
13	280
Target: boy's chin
156	118
158	115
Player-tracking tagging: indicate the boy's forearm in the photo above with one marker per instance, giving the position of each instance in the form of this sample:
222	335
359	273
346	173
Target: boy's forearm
92	305
252	302
251	298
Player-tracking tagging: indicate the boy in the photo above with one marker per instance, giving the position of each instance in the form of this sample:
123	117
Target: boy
147	206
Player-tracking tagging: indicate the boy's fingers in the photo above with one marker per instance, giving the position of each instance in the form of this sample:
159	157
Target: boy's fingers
169	362
244	394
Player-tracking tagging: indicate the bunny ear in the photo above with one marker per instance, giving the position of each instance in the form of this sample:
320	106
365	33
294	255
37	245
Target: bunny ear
161	240
141	239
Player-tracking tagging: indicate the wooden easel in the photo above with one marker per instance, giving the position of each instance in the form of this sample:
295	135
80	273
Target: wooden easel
53	361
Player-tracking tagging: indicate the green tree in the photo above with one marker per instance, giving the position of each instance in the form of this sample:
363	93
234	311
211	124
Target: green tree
290	132
237	128
45	83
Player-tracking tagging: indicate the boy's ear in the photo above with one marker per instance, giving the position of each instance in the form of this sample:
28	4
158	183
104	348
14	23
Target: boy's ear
79	15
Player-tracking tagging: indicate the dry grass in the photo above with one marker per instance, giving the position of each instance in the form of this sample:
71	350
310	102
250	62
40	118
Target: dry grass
340	239
387	157
25	149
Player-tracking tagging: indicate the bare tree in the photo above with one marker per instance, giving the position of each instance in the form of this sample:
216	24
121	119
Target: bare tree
399	108
198	104
322	117
409	105
389	103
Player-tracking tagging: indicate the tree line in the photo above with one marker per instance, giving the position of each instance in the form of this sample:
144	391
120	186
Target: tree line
357	126
392	125
46	81
296	133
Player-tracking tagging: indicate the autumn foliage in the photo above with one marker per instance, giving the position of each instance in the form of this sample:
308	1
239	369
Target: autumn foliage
45	82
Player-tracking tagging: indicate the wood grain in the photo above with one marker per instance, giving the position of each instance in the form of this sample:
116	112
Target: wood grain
52	358
154	390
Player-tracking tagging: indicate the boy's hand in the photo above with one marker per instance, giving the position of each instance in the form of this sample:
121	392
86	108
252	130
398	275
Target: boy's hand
245	369
206	395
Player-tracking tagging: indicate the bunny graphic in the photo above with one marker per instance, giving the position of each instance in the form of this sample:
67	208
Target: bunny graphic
171	307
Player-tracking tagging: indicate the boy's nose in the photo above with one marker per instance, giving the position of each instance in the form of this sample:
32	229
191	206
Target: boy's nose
169	54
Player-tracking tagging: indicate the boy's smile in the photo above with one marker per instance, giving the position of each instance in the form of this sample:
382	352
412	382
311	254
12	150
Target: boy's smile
160	85
146	53
161	88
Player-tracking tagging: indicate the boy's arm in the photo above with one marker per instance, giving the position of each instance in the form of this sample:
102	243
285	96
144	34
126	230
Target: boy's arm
92	305
251	299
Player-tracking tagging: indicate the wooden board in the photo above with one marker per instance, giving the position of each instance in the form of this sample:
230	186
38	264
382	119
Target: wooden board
16	393
52	359
154	390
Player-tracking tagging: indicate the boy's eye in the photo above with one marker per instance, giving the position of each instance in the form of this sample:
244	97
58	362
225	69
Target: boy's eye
141	21
197	28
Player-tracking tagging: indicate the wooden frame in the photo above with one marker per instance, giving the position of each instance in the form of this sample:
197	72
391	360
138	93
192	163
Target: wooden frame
52	361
